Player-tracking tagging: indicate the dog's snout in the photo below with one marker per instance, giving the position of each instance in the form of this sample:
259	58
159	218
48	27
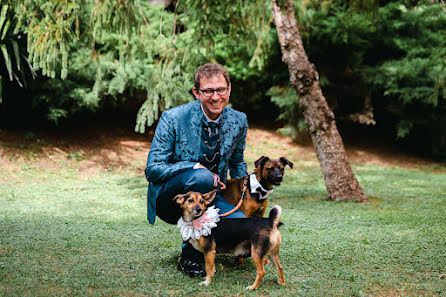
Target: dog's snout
197	209
278	178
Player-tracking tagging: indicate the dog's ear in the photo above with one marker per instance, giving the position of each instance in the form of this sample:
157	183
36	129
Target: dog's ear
208	197
261	161
285	162
180	198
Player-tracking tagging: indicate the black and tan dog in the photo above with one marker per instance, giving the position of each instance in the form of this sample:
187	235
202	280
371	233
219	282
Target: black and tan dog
255	237
269	173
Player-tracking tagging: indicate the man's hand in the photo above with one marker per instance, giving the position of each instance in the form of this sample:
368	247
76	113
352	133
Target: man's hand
199	165
216	179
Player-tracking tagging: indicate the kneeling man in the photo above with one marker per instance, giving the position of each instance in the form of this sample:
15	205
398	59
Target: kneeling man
193	148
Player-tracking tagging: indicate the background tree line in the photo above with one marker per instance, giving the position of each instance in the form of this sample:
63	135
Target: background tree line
382	65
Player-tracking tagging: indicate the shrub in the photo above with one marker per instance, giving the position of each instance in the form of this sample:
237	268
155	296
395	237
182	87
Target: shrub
397	57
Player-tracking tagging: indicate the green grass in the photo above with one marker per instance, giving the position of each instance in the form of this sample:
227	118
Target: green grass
64	234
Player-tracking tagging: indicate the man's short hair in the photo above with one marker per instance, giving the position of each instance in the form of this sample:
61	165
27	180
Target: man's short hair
210	70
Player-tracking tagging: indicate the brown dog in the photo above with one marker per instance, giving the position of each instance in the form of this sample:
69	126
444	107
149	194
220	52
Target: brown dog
255	237
269	173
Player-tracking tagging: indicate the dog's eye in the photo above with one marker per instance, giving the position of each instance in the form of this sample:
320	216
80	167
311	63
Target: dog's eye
201	201
190	200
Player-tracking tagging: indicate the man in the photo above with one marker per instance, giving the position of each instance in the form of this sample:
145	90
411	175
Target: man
193	147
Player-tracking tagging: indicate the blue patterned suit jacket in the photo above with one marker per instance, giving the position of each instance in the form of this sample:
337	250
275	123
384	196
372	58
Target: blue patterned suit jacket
176	147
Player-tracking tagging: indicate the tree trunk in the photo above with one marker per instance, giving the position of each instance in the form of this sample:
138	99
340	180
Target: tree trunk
339	179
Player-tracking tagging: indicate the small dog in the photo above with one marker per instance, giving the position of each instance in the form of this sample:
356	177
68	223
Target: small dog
269	173
255	237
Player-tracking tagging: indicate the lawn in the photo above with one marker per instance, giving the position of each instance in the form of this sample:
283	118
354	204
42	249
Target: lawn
65	233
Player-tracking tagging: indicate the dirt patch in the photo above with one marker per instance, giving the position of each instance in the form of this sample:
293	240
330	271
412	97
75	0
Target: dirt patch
104	149
90	151
370	153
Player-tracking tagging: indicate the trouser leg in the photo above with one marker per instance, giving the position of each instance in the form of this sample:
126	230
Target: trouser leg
197	180
225	206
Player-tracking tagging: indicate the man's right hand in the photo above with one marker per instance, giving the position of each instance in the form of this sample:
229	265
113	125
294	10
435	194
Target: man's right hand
216	177
199	165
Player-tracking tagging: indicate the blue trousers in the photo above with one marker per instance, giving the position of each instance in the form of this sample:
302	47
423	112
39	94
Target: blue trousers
197	180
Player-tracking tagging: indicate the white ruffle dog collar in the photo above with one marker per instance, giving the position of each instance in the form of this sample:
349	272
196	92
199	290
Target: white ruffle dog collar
256	187
201	226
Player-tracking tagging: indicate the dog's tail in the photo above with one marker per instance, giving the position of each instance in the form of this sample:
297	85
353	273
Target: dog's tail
274	216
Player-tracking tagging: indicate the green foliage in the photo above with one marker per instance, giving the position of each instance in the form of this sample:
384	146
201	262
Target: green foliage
233	19
4	28
413	79
140	64
116	51
48	25
12	56
288	101
53	27
397	54
112	52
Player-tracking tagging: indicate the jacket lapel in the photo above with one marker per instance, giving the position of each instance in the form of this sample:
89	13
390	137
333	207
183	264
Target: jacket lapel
225	141
195	125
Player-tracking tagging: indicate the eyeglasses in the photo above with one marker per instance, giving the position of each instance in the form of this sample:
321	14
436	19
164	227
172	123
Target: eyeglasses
210	92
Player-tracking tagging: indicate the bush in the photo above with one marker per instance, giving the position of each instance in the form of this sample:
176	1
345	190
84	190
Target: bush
397	57
149	60
412	83
107	74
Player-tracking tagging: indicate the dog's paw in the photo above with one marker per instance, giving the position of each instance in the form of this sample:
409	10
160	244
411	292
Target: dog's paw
204	283
281	282
250	288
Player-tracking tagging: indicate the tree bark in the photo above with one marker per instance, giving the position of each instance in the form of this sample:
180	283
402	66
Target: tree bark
339	179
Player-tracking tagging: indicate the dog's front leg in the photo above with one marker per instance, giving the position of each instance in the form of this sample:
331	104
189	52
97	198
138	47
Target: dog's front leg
209	251
209	258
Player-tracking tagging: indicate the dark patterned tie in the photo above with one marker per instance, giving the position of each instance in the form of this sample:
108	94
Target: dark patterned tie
212	127
210	146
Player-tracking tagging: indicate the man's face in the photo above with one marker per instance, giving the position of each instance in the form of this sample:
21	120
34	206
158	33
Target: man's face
213	104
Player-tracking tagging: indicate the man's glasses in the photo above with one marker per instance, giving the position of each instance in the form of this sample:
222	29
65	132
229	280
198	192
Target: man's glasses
210	92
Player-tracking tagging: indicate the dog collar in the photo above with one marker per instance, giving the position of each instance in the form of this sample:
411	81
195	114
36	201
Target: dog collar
201	226
256	187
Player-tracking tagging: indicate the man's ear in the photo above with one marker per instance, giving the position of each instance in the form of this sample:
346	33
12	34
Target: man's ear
195	91
180	198
285	162
208	197
261	161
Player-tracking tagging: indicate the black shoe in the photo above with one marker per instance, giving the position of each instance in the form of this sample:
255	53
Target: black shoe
191	267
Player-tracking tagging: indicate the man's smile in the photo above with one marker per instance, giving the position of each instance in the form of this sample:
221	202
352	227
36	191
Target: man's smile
213	94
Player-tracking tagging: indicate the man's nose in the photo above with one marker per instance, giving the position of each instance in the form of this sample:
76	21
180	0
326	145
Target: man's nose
215	95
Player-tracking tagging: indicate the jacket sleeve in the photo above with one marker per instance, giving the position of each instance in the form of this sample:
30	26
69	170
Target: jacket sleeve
237	165
160	167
